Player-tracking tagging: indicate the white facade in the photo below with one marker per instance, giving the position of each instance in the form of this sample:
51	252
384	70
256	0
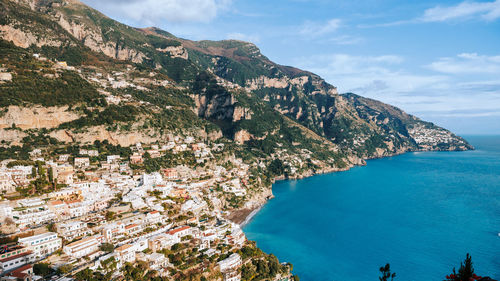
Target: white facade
82	248
42	245
13	262
231	263
33	216
72	230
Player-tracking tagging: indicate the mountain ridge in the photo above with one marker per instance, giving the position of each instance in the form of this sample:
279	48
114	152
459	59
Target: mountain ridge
220	77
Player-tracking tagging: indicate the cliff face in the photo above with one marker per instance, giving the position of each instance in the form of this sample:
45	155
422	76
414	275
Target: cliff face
172	85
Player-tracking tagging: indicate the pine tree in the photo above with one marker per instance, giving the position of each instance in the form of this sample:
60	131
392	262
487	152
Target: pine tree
466	270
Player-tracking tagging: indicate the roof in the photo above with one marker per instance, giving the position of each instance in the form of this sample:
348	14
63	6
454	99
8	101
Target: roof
123	248
56	202
174	231
27	253
79	242
19	272
36	237
131	226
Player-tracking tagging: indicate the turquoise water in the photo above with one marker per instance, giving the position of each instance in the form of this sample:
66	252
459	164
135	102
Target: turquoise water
421	212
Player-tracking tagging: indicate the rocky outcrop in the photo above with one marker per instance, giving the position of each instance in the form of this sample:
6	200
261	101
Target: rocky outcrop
94	40
218	107
36	117
266	82
5	77
25	39
13	137
101	133
242	136
175	52
242	113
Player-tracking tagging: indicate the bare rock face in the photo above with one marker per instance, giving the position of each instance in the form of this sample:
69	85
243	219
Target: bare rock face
36	117
12	136
5	76
175	52
24	39
100	133
94	40
219	107
242	136
242	113
266	82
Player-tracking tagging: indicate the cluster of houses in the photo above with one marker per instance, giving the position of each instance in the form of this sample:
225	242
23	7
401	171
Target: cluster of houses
86	213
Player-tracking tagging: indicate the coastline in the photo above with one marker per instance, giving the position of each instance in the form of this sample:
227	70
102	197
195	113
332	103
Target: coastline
245	215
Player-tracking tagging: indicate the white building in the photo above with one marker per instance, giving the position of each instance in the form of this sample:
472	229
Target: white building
42	245
82	162
112	159
33	216
15	261
231	263
73	229
125	253
82	247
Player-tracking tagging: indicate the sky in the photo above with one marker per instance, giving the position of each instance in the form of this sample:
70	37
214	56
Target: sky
438	60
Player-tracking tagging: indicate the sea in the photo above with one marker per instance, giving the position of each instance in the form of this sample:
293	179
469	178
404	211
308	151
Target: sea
420	212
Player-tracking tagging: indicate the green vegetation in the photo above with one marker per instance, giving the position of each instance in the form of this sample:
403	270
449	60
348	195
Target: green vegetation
465	272
109	116
386	273
35	82
262	269
42	269
107	247
168	160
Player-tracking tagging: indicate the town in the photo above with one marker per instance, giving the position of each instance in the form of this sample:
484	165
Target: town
96	214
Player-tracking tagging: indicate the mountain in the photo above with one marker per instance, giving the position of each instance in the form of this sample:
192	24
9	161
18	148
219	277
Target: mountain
71	74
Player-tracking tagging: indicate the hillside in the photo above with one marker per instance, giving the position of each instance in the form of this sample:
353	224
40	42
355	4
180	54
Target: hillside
219	120
238	74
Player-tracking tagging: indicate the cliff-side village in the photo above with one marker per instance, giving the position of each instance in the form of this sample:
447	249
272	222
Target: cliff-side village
97	213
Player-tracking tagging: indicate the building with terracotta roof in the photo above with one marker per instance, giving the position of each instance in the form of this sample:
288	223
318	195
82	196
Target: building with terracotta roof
15	261
24	273
125	253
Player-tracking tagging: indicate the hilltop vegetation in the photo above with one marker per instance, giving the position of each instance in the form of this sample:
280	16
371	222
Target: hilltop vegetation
159	84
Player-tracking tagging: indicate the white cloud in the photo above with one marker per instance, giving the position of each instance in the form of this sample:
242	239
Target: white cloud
467	63
419	91
155	12
345	40
315	29
467	10
464	10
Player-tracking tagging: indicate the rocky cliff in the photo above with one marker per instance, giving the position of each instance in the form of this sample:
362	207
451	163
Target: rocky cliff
149	81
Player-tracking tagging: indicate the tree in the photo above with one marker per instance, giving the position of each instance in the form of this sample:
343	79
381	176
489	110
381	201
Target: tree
386	273
51	176
51	227
65	269
465	272
42	269
110	215
107	247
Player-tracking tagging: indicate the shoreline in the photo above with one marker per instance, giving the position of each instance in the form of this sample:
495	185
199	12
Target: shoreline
243	216
250	216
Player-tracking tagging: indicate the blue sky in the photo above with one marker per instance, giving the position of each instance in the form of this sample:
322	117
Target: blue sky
439	60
